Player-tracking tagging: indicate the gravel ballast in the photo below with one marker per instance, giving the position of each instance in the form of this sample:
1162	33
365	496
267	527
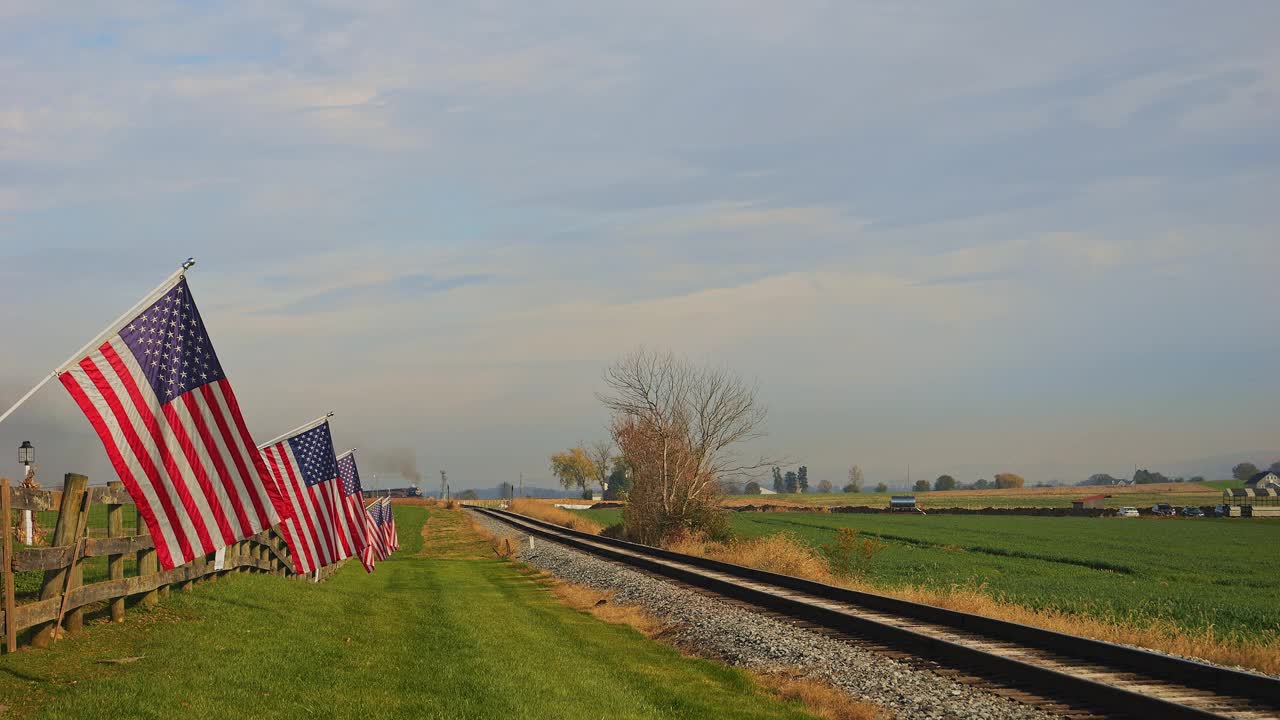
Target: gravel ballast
741	637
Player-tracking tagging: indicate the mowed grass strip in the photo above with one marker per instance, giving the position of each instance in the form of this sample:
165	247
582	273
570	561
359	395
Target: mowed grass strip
450	634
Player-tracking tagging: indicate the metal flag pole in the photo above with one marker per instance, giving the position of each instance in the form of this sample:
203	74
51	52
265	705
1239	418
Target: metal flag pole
300	428
114	326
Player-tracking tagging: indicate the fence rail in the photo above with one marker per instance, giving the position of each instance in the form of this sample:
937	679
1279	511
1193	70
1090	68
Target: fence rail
63	597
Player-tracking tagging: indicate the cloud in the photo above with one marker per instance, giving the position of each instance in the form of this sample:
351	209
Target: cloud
444	220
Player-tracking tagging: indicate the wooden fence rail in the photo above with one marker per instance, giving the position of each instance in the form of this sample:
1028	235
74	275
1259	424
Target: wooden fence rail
63	596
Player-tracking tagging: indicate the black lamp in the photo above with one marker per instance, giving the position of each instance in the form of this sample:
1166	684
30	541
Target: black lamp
27	453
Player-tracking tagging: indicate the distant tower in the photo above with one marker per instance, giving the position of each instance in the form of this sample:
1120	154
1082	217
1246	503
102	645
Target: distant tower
444	482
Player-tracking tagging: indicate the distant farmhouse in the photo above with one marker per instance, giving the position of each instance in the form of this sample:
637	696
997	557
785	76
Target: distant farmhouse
1263	480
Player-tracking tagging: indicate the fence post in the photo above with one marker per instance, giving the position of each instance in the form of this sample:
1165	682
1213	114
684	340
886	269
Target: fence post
10	630
115	561
74	487
148	564
75	578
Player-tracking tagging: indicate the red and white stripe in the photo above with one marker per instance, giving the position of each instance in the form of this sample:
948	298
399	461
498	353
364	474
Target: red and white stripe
377	538
190	465
315	534
393	538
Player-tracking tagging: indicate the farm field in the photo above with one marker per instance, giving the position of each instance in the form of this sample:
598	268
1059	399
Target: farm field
1135	495
1195	573
447	633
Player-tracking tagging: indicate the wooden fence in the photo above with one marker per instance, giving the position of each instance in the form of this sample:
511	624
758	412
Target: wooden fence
63	598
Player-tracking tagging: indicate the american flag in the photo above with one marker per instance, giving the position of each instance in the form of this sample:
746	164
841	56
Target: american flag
354	517
380	515
306	470
393	540
158	398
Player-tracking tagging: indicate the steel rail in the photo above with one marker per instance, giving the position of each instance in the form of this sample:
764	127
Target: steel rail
812	601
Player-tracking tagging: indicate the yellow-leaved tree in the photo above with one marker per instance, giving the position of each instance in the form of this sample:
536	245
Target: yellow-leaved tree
574	468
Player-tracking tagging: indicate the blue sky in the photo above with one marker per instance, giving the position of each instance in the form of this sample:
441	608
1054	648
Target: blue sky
967	237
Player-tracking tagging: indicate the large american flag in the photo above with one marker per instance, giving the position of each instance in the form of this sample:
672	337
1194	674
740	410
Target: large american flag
306	470
354	517
158	398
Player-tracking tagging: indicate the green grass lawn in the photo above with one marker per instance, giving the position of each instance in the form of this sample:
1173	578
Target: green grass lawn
1197	573
457	635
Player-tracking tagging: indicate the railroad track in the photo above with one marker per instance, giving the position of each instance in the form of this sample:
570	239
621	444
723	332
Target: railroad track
1088	676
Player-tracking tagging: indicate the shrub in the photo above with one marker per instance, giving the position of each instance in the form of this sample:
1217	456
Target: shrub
851	554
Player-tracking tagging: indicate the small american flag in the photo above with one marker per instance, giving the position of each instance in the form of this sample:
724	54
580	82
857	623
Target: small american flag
393	539
157	397
380	515
306	470
354	517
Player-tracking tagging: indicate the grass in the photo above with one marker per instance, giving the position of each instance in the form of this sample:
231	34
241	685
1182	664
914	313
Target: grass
1193	587
559	516
452	633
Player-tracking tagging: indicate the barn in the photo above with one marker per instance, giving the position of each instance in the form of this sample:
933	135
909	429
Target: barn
1092	502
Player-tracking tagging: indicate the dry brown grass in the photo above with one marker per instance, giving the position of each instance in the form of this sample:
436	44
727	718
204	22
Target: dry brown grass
819	698
784	553
553	514
601	605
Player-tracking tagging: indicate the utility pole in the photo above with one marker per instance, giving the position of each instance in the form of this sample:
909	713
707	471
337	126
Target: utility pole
521	484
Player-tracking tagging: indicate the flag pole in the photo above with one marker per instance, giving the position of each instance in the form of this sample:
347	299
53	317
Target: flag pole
300	428
115	325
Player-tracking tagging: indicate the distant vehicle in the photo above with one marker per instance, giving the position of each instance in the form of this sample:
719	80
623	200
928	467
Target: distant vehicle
1222	510
1192	511
1162	510
1128	512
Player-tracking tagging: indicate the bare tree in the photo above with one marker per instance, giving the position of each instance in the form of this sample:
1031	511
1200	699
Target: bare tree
855	480
601	454
677	426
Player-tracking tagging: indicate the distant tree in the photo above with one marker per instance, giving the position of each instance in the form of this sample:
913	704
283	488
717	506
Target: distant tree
600	453
573	467
1275	467
882	488
1197	479
802	479
506	490
1009	480
791	480
1244	471
619	480
1099	479
778	484
1146	477
468	495
855	480
824	486
944	482
751	488
921	486
982	484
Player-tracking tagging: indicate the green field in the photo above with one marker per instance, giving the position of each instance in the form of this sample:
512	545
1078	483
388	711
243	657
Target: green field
454	635
1198	494
1197	573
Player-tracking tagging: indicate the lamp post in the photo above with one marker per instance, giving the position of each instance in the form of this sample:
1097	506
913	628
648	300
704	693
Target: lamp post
27	456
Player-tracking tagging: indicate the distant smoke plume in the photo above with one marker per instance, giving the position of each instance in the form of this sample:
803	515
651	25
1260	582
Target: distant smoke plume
399	461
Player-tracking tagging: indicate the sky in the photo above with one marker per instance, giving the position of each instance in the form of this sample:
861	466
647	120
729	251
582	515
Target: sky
958	238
